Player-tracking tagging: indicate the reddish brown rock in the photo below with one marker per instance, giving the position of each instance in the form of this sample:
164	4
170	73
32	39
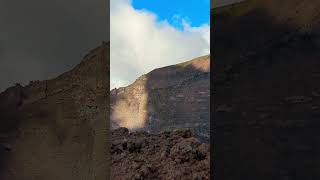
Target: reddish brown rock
166	155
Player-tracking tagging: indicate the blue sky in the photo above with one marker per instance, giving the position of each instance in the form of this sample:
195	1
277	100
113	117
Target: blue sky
195	12
139	44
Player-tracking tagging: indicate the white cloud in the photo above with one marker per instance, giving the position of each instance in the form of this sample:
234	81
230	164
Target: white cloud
139	43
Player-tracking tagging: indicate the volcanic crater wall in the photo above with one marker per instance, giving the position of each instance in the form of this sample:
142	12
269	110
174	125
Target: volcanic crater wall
165	99
57	129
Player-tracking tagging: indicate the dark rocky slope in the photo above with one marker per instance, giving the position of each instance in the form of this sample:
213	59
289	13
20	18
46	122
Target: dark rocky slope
57	129
266	95
167	98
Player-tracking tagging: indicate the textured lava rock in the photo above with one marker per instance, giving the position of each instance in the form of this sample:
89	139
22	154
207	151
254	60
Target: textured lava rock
166	155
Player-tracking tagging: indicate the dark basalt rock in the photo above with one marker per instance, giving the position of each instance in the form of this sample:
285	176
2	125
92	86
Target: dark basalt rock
267	54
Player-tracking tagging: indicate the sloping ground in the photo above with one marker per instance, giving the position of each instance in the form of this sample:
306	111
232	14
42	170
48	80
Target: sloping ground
266	96
220	3
167	98
57	129
167	155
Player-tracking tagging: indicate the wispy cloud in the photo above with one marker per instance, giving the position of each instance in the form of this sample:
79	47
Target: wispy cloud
141	43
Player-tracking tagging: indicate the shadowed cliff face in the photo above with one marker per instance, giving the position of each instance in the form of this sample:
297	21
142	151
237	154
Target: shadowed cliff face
266	99
57	129
165	99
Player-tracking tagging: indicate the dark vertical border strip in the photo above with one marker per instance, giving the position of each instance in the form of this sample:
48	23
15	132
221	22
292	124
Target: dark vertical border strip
212	132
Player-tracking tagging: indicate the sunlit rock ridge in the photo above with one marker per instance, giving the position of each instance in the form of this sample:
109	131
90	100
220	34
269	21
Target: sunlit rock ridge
167	98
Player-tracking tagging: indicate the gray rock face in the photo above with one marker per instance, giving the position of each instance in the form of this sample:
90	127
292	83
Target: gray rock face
57	129
166	98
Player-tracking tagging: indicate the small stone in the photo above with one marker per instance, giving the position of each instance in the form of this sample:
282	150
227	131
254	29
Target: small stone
315	94
185	133
298	99
224	108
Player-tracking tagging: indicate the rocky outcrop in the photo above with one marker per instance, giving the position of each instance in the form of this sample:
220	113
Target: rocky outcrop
265	108
57	129
167	155
221	3
167	98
